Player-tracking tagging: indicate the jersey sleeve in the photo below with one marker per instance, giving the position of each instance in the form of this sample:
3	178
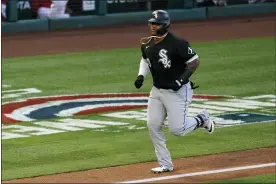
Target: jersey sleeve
143	52
186	51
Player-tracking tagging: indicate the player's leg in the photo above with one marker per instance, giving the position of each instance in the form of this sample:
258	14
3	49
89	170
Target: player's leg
177	105
156	114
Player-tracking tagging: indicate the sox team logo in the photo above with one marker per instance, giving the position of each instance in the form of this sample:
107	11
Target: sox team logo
164	59
155	14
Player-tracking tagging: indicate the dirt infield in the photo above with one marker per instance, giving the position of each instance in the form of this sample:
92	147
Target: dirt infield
29	44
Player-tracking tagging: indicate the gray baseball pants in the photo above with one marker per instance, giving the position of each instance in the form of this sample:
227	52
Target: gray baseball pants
175	105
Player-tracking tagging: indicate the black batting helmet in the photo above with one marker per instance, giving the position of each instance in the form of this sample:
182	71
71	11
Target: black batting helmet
160	17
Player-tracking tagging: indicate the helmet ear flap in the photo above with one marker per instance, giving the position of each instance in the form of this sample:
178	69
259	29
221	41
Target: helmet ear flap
167	25
163	29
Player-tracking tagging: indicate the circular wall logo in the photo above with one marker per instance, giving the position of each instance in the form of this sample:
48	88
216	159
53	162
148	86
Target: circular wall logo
41	108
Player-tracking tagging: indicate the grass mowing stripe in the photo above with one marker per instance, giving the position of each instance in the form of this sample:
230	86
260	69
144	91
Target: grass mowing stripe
89	151
226	66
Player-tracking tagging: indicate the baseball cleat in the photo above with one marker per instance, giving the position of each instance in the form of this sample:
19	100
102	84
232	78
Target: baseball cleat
208	124
161	169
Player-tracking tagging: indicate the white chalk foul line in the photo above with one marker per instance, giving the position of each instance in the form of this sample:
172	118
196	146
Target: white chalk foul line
201	173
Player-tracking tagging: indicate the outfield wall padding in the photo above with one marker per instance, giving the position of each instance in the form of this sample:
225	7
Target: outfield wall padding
123	18
136	17
25	26
241	10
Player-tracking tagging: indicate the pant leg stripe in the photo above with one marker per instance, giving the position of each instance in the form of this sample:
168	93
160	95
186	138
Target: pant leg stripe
185	109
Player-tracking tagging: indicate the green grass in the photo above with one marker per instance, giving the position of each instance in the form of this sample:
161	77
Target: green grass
267	178
83	150
235	67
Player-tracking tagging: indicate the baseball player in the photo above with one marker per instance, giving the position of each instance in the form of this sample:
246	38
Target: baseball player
171	61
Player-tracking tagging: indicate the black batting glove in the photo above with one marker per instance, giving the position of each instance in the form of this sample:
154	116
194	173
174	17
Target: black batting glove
139	81
193	85
175	85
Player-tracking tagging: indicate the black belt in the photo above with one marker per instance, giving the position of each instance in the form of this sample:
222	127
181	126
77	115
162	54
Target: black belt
193	86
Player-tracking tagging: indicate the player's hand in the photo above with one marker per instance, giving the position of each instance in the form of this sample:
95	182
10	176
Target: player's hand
175	85
139	81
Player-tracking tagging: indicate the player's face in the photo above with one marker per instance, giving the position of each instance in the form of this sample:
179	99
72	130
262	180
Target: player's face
153	28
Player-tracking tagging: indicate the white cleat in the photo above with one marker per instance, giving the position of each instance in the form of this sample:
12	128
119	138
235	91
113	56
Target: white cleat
161	169
208	124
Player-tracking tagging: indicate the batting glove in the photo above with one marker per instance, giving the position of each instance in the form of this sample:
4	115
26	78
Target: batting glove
139	81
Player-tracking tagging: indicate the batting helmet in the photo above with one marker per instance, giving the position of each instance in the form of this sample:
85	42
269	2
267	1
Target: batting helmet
160	17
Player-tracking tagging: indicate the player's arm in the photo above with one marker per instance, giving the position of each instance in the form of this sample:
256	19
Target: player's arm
190	69
143	70
193	63
144	67
191	60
